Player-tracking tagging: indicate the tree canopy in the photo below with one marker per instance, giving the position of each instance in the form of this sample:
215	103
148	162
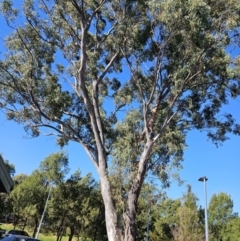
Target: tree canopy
125	79
220	214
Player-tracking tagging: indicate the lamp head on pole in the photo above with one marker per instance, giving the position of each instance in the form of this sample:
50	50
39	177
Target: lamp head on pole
202	179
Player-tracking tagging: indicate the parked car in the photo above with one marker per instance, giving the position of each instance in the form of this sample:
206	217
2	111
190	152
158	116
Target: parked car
16	232
14	237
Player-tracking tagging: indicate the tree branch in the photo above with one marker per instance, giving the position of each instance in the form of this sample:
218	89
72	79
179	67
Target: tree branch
107	67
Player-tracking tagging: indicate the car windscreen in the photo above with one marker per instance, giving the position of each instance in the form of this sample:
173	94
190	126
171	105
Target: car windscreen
18	232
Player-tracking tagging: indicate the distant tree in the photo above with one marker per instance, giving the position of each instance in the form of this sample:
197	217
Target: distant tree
189	199
220	212
28	199
76	206
188	226
125	79
30	194
19	178
55	167
149	197
97	227
165	218
178	219
201	214
232	231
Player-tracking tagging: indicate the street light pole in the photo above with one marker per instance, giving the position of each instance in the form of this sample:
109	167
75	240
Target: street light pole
45	207
204	179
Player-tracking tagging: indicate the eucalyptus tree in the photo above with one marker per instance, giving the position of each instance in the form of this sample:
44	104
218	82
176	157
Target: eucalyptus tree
125	79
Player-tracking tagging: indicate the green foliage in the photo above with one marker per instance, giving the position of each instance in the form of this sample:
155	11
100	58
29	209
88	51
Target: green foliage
232	231
220	214
75	204
190	199
147	206
188	228
166	216
28	198
30	192
19	178
178	219
55	167
76	208
6	206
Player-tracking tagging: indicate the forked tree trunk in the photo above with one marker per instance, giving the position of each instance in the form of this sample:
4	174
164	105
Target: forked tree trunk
114	231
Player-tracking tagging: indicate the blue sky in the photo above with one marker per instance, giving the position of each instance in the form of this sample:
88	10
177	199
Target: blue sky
202	158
